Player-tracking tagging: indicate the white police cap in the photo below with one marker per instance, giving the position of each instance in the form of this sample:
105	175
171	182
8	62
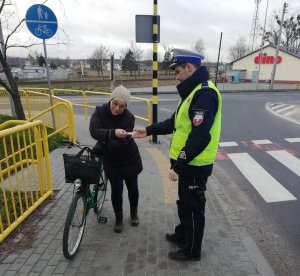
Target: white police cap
182	55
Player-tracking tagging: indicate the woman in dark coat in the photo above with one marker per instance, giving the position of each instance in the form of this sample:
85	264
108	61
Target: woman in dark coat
111	123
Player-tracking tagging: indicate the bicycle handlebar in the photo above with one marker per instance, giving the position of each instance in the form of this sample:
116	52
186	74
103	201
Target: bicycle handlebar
98	149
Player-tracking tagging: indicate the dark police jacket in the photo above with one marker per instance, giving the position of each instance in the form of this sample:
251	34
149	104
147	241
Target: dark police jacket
205	102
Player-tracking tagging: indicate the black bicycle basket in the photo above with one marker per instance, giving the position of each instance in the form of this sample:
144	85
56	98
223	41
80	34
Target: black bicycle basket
83	166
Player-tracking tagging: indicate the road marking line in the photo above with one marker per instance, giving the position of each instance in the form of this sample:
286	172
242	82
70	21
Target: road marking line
268	187
278	106
284	109
228	144
163	165
292	140
287	159
261	142
166	110
267	106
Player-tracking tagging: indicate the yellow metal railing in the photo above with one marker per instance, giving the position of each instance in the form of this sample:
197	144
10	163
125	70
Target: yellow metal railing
37	106
25	174
86	106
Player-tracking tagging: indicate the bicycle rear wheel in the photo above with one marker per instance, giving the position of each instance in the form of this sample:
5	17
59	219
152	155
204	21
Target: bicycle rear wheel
74	227
100	193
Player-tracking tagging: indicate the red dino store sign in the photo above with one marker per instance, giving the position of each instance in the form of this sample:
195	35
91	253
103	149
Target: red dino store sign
265	59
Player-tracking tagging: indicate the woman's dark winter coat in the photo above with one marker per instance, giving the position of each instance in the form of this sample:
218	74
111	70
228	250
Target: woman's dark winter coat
121	156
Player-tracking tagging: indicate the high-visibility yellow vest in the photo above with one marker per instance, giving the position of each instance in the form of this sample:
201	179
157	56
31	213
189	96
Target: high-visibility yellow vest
183	127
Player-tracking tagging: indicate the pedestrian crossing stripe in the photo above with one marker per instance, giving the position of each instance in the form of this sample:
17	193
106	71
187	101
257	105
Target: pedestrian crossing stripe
261	142
287	159
267	186
257	142
228	144
292	140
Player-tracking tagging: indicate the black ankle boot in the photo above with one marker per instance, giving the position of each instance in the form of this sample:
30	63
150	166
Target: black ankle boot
134	216
119	222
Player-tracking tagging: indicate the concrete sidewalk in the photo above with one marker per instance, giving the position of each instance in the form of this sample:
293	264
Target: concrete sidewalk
228	249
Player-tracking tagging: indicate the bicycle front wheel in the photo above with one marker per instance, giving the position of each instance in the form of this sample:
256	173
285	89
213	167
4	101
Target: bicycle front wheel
74	227
100	193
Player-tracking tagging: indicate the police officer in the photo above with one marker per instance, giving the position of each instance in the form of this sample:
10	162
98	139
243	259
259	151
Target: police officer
196	127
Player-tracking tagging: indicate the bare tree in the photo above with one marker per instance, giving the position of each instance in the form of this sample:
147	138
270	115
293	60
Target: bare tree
9	15
137	54
239	49
167	61
98	58
199	46
290	31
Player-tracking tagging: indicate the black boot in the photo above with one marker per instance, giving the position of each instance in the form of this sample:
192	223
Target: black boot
134	216
119	222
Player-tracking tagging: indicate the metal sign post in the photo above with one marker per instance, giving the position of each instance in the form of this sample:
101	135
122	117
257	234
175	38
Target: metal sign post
49	83
42	23
112	72
148	31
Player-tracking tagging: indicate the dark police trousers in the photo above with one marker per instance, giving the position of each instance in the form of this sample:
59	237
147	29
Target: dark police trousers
191	212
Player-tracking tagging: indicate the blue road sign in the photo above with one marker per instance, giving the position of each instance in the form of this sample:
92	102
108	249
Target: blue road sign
41	21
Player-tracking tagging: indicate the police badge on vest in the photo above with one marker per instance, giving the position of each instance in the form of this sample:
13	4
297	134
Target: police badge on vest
198	117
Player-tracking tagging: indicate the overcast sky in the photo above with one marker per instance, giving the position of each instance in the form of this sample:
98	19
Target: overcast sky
90	23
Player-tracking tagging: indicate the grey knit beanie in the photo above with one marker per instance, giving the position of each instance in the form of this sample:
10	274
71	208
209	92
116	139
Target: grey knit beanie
122	93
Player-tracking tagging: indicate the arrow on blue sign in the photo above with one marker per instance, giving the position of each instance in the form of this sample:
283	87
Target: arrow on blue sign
41	21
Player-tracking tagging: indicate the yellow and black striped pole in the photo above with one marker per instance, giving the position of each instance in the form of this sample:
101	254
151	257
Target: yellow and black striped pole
154	68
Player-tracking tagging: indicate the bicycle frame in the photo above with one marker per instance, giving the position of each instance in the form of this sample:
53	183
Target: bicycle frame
85	197
89	195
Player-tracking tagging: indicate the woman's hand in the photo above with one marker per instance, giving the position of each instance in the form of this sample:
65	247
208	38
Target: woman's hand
120	133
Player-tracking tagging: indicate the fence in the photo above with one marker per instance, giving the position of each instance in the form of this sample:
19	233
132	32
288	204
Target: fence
25	176
36	100
86	106
37	106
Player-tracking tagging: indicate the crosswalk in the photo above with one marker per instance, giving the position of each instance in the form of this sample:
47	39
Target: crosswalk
262	181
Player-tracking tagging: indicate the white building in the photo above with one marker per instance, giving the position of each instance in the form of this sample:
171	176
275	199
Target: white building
34	72
287	69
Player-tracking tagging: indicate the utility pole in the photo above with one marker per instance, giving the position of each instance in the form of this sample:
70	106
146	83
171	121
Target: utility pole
217	69
277	47
262	45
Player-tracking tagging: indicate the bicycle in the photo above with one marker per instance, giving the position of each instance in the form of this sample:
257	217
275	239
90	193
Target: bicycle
86	173
42	29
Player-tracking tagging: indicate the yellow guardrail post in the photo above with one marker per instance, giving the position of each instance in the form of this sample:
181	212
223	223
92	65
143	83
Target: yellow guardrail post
148	108
38	147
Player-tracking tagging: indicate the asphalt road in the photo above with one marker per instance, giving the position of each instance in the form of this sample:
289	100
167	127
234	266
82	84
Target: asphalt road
260	166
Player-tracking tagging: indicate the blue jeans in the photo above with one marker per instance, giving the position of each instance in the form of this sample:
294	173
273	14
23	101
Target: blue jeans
117	184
